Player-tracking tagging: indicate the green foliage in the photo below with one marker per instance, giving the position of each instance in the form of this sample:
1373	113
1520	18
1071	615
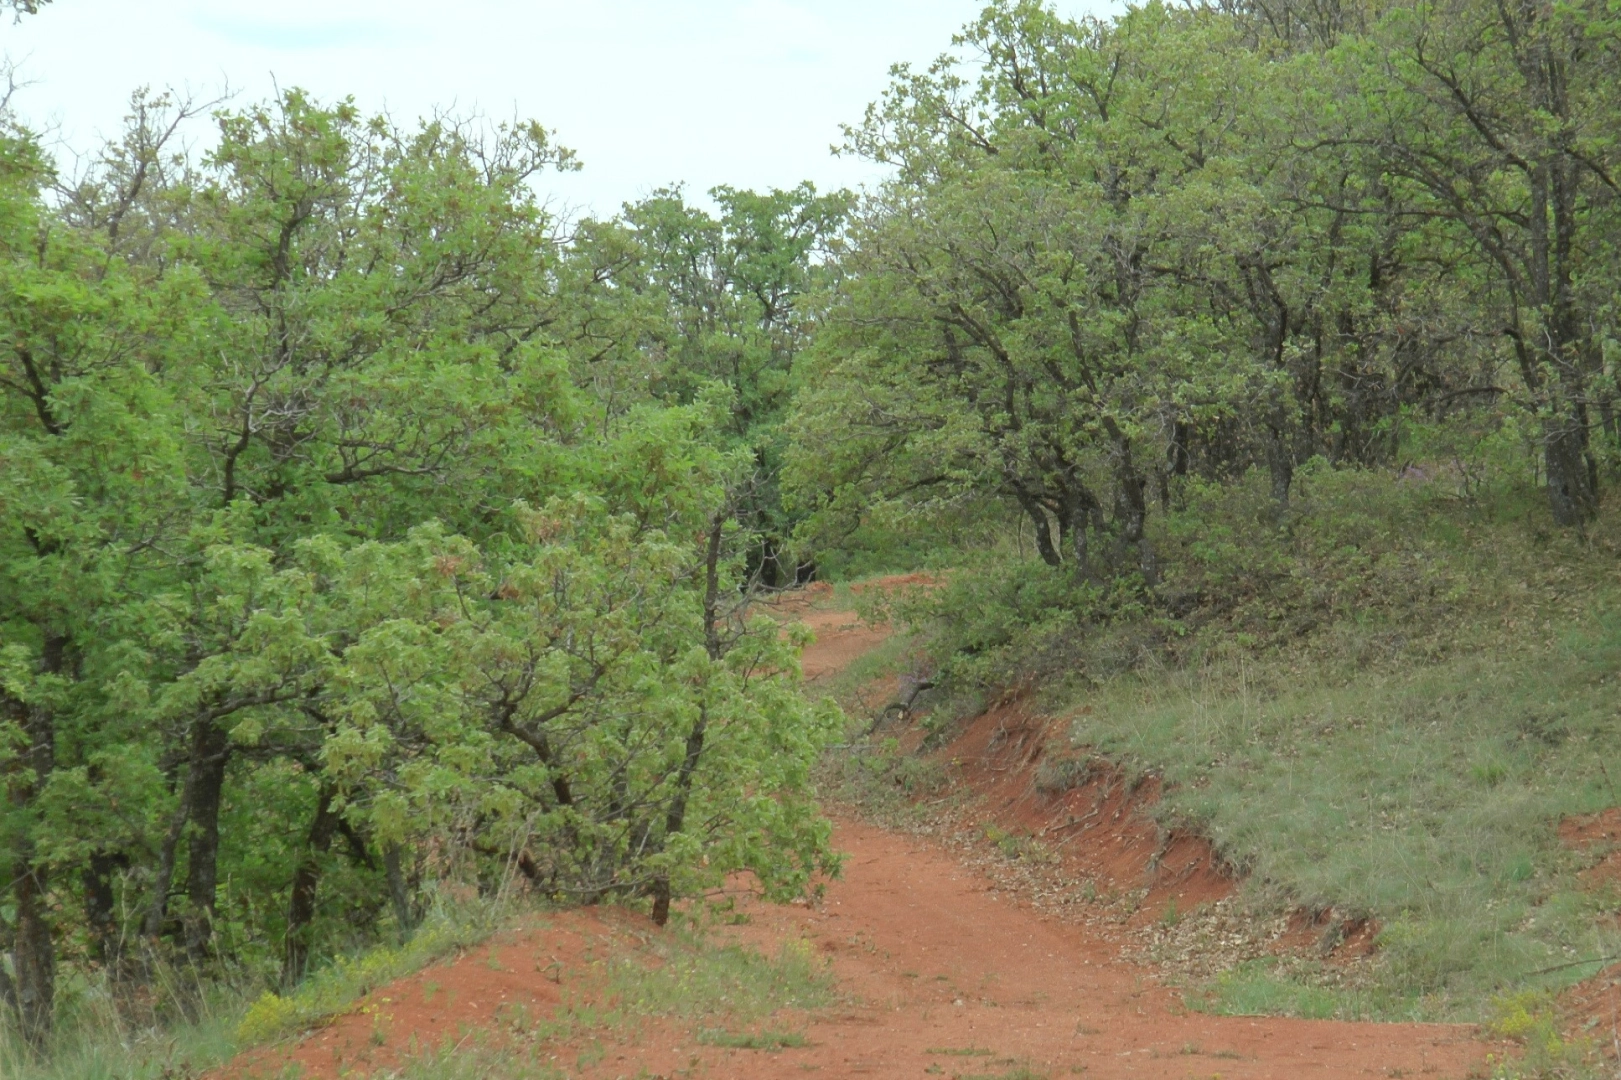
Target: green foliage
1381	702
1185	243
1531	1018
365	527
452	925
337	563
740	308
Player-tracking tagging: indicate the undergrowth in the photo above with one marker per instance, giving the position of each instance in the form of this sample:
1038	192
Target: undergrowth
197	1024
686	974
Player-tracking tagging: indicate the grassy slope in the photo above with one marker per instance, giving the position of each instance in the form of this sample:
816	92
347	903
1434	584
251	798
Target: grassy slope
1430	688
1382	702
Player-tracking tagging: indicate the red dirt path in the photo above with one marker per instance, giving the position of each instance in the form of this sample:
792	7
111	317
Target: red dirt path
929	957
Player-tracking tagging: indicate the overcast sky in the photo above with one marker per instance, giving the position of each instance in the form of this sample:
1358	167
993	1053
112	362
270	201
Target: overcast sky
743	92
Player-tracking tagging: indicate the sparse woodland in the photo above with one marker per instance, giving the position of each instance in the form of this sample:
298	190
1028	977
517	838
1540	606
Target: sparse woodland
366	529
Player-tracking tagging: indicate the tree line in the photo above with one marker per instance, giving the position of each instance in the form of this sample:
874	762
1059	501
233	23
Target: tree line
364	525
1201	239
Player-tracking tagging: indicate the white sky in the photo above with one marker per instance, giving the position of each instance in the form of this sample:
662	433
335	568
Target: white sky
744	92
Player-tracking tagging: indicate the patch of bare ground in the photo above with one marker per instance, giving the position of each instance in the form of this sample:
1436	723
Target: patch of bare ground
1598	835
524	971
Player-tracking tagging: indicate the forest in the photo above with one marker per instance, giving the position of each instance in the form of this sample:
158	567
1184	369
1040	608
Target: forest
369	531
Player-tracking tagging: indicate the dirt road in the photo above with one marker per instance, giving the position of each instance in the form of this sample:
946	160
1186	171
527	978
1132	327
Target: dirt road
941	974
942	962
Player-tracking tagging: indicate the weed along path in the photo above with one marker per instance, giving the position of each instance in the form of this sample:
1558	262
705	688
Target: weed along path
935	970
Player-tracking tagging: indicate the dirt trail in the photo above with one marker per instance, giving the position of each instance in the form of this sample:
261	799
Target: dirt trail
941	973
942	962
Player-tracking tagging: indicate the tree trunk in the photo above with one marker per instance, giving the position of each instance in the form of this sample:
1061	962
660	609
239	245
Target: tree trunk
210	752
157	912
1571	493
675	818
1131	508
306	880
399	889
1280	466
1081	514
33	954
1043	527
33	948
101	910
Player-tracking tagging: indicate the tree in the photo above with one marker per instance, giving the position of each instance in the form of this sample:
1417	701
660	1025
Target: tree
1017	316
324	541
1499	120
738	293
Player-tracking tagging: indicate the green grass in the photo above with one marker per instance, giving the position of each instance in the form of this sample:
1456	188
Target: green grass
1257	988
685	975
478	1059
689	976
1390	720
1426	798
200	1025
1381	701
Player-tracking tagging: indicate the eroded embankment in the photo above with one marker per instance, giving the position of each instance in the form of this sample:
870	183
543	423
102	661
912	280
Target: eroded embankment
1089	835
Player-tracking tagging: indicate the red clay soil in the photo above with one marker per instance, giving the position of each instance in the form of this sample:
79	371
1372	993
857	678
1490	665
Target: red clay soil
1329	935
1600	834
1099	824
1592	1008
931	962
1098	827
440	1005
939	970
841	637
940	961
